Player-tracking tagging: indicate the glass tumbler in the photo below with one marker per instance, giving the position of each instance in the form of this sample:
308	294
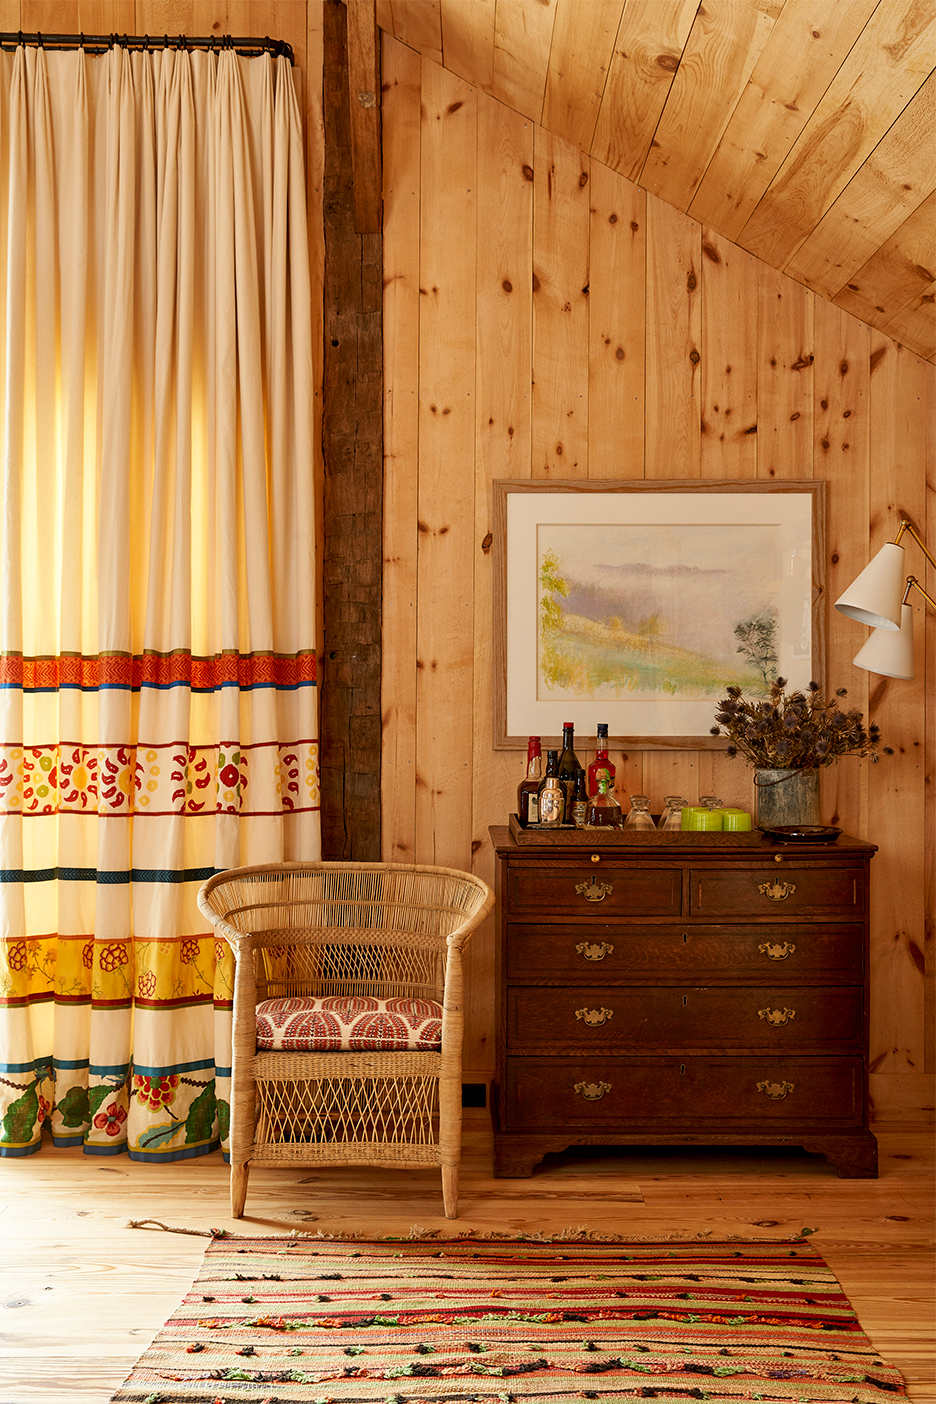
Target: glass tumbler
639	816
673	806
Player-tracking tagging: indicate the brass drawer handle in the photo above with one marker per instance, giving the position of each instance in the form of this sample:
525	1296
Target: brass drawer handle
592	1091
777	891
594	891
594	1018
776	1017
592	952
776	1091
775	952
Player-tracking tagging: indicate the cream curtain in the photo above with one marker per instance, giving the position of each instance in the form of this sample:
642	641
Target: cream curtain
158	717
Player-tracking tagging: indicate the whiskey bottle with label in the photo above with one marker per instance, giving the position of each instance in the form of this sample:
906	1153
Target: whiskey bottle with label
528	789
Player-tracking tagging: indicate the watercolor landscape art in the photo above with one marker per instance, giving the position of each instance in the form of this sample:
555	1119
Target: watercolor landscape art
655	609
635	605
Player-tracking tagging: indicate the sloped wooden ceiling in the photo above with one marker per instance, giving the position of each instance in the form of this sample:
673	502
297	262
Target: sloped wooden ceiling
802	130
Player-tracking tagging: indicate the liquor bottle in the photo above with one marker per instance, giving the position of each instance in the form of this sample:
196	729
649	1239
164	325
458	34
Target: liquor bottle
527	805
603	812
568	764
601	761
579	800
551	796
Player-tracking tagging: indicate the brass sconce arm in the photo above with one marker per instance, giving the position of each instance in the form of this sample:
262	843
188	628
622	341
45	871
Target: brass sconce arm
912	581
907	526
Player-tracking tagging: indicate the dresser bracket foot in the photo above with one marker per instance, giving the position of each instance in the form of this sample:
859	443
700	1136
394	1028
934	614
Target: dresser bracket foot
854	1157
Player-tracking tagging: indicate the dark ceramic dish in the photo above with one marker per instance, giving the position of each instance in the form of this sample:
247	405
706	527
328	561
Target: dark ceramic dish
803	833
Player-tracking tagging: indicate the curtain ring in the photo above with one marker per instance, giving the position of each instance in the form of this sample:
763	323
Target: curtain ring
39	40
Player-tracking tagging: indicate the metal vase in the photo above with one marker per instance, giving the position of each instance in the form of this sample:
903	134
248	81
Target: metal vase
786	797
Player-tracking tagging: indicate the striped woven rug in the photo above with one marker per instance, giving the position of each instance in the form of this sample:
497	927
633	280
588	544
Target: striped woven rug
394	1321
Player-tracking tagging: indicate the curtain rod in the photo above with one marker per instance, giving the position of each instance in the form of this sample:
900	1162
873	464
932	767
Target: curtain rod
100	43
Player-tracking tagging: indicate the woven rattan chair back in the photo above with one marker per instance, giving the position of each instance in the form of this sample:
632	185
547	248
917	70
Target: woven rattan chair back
386	930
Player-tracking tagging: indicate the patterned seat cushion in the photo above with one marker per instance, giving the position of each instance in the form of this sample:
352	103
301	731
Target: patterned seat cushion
349	1023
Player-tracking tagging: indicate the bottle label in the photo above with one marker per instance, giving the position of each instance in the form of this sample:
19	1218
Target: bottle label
532	809
579	810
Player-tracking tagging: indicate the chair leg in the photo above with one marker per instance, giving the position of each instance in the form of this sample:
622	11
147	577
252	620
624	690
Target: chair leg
239	1175
450	1191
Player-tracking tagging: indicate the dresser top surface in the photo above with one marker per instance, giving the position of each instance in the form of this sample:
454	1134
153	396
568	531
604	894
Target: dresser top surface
679	847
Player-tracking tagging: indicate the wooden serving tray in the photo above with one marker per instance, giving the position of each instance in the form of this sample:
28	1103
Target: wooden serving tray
630	838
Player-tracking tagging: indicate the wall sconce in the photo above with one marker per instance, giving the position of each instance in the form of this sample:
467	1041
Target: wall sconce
879	597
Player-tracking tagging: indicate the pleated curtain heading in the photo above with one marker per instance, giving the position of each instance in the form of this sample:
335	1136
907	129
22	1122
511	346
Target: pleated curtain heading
158	713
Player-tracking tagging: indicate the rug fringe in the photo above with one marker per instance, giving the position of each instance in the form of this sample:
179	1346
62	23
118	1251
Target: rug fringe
567	1235
417	1233
174	1228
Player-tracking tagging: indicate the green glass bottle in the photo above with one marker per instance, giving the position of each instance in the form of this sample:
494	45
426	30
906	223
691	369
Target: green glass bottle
568	763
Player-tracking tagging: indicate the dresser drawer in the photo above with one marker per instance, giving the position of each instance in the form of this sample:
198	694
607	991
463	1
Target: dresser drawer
593	892
783	892
617	952
694	1095
605	1018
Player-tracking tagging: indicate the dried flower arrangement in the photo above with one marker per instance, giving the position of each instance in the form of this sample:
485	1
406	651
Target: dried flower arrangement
799	732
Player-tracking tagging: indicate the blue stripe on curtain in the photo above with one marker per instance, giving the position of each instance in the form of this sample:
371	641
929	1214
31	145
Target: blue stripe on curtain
198	875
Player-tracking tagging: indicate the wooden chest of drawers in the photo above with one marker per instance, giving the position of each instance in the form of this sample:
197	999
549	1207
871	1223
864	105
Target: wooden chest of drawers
697	989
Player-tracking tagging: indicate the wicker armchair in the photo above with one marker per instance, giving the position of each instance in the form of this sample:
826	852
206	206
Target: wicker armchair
348	1015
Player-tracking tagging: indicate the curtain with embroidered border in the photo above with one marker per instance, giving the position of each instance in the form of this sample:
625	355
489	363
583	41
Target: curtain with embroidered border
158	714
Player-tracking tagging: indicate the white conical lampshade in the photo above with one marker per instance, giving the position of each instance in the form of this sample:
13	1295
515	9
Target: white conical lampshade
889	651
876	596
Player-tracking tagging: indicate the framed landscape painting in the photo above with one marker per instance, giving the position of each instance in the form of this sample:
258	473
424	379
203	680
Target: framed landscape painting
638	603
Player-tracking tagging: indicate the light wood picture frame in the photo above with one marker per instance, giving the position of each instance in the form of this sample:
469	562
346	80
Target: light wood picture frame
637	602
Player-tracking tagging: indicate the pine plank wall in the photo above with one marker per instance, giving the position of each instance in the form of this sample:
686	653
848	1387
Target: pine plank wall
544	317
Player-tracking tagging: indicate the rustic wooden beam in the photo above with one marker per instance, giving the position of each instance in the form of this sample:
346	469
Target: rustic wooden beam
364	104
352	442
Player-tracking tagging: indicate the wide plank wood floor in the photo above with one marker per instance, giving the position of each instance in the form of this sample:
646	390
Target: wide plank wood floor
83	1294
